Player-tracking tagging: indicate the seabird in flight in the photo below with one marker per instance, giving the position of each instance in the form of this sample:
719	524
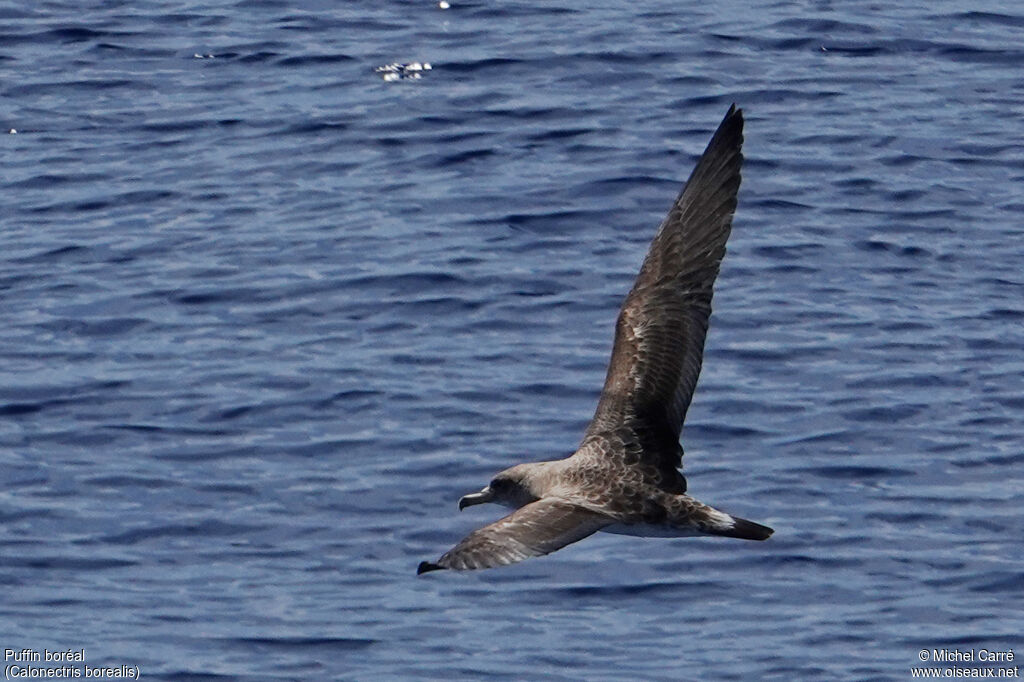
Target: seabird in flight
625	477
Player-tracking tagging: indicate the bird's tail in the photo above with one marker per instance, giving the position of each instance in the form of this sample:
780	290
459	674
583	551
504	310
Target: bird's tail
735	527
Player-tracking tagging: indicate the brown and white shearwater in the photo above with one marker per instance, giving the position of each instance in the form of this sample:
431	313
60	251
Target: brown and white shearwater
624	477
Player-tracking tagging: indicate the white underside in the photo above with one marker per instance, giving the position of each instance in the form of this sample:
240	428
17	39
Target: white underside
722	520
648	531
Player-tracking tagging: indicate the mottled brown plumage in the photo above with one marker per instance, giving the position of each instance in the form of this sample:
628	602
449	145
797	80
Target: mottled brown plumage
624	477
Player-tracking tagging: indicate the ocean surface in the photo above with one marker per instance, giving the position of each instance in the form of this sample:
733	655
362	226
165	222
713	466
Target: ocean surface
265	316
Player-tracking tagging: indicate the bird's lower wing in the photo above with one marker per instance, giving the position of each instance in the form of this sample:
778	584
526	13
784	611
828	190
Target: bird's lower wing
536	529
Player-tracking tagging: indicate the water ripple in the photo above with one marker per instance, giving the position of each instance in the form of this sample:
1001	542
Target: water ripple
266	318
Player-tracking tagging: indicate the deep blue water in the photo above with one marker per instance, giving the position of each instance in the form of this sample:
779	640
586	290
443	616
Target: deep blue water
265	317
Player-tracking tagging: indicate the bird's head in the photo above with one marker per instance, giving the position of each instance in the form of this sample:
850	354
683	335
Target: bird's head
512	488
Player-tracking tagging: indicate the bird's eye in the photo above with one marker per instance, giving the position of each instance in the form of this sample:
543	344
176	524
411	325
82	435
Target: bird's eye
498	484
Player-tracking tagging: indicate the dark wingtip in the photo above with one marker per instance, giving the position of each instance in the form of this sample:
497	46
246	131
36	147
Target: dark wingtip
732	119
427	567
726	143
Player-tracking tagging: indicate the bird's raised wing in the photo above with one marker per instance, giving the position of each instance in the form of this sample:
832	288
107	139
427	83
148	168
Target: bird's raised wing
536	529
659	336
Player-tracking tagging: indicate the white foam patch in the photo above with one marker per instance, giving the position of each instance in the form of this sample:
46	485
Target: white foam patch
399	71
